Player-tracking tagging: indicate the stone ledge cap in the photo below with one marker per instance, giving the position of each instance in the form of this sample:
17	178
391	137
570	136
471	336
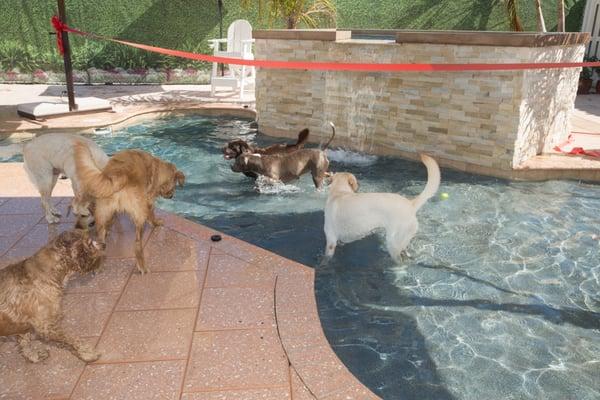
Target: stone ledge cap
325	35
501	39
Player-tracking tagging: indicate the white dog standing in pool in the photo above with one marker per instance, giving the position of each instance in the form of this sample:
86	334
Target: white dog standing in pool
351	216
47	156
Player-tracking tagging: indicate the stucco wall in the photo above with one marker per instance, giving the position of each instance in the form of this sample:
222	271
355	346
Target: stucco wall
491	119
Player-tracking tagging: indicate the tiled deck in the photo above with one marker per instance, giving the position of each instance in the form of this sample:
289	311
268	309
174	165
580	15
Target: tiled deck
213	320
585	127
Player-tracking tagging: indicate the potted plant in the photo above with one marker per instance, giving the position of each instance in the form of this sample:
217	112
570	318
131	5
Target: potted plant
585	80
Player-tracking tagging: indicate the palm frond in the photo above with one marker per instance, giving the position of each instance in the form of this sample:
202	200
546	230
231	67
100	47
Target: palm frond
513	16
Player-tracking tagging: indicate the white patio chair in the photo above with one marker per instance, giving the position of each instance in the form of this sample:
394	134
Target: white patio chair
239	45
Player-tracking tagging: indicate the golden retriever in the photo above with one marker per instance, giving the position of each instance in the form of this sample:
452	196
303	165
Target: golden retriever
351	216
31	292
130	183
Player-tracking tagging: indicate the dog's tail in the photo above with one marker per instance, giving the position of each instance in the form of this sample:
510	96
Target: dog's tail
433	181
92	179
11	150
302	137
331	138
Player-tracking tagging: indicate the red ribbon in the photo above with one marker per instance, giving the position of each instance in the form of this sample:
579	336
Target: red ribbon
59	26
578	151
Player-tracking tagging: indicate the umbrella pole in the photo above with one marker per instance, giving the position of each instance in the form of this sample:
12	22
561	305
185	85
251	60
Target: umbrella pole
220	5
67	57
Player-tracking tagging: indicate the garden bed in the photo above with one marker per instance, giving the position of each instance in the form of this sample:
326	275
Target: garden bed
112	76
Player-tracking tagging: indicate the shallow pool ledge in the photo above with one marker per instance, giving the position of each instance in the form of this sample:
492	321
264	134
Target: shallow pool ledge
487	122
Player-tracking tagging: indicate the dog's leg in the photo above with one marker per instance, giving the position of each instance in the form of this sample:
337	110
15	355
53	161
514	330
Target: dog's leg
43	176
318	181
104	216
397	242
54	333
331	244
152	217
52	215
318	173
46	187
30	354
139	249
330	249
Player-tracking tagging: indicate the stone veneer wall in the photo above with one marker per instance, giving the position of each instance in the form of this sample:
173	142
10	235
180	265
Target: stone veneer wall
487	122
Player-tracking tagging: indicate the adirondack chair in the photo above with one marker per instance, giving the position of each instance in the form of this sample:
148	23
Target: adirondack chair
239	45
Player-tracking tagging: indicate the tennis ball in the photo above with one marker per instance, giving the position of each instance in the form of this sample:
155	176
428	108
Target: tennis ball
444	196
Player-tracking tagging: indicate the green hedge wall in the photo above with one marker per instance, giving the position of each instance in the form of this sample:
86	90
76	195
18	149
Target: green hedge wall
187	24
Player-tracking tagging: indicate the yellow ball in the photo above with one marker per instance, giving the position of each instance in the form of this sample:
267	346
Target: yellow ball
444	196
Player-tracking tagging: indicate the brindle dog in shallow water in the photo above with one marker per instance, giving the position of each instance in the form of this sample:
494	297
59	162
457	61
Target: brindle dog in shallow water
236	148
31	292
287	167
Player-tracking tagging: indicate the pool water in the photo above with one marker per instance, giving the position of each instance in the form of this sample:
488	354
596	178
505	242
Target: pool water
500	300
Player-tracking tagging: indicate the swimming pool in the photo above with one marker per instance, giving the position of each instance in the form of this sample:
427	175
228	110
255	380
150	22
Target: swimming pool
501	299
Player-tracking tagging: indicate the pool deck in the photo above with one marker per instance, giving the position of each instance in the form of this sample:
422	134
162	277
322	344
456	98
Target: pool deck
130	104
585	128
213	320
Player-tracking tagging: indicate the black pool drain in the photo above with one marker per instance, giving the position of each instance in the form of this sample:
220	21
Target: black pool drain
216	238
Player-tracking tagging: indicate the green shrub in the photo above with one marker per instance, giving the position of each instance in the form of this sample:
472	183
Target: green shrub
16	56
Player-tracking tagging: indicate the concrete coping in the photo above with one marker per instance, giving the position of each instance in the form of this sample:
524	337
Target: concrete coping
504	39
470	38
325	35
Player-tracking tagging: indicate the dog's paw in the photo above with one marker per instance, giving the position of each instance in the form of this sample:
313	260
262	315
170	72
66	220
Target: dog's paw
35	355
157	222
52	218
142	269
88	354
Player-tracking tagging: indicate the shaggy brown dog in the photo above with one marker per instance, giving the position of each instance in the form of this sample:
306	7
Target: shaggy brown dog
31	292
287	167
238	147
130	183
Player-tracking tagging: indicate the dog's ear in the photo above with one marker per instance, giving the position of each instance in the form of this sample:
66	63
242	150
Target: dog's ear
245	147
353	183
180	178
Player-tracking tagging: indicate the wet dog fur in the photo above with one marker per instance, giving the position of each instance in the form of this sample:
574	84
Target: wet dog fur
286	167
235	148
130	183
31	292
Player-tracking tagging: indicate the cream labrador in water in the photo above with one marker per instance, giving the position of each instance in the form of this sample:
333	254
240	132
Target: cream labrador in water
350	216
46	156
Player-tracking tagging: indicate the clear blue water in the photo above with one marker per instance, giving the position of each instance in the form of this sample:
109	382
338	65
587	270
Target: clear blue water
501	299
